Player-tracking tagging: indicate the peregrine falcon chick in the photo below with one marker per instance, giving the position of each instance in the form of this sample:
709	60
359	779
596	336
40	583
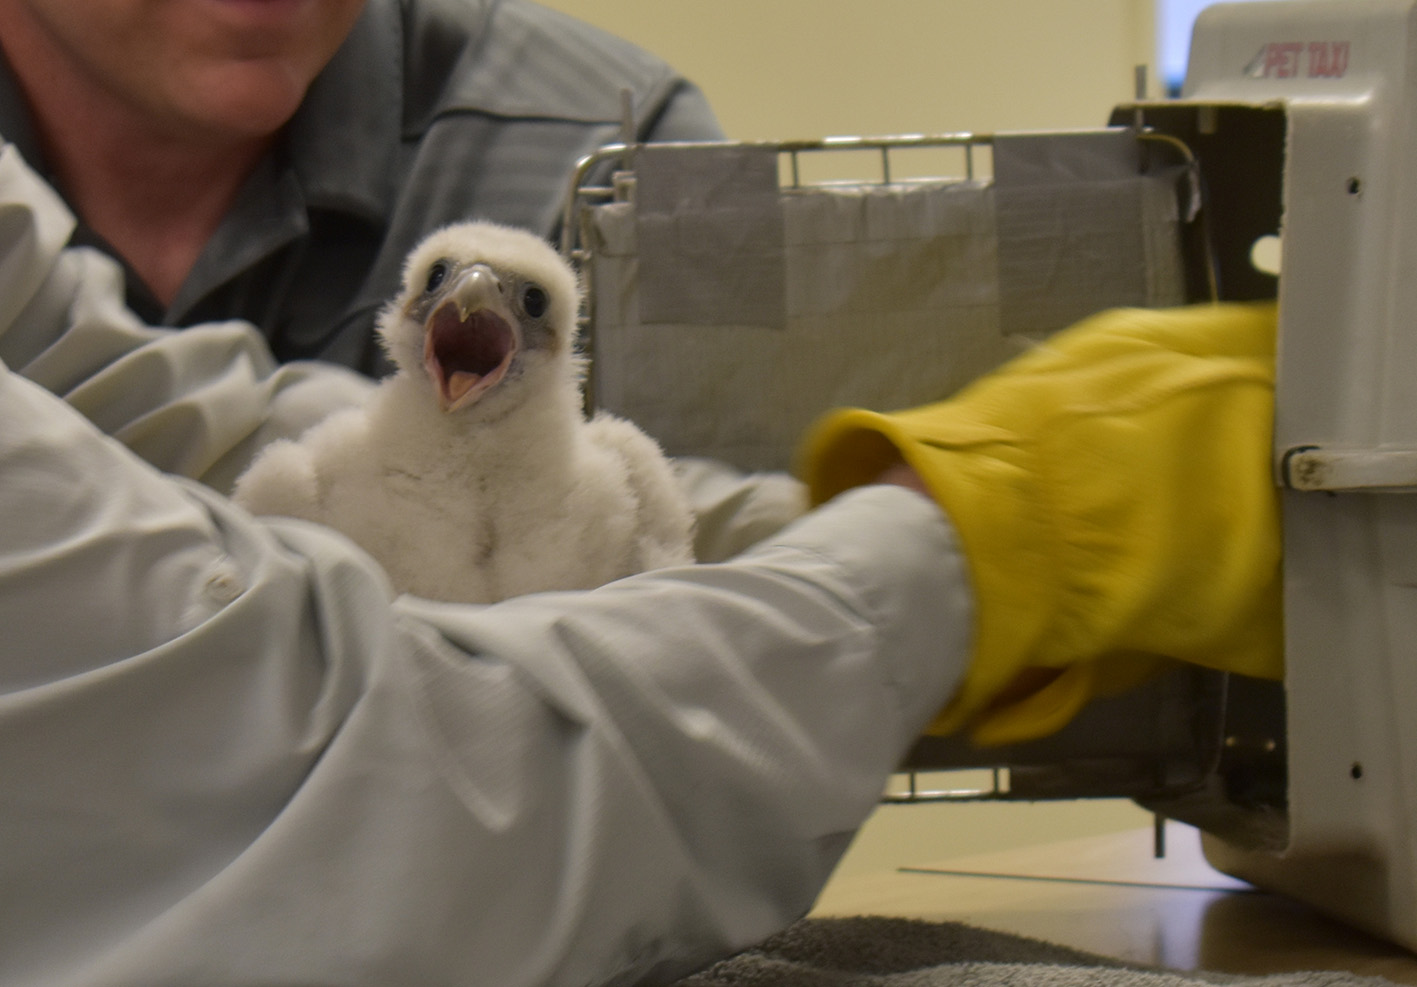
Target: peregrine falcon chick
471	474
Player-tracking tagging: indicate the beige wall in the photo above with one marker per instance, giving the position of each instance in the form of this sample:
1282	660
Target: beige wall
814	68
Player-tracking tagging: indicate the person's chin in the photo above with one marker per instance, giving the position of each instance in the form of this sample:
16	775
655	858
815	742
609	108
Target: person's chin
248	103
256	28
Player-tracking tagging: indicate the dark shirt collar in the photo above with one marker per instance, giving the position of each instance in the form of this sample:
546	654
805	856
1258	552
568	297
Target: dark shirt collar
338	154
343	141
17	122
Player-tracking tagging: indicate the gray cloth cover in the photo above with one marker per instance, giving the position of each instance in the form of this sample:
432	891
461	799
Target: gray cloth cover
728	313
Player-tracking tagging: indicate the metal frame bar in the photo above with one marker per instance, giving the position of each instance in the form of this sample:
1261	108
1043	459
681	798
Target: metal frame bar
580	193
996	791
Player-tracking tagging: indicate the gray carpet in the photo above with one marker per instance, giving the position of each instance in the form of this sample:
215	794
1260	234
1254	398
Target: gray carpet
888	952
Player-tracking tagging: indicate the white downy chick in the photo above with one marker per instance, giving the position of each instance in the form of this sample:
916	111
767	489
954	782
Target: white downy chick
472	474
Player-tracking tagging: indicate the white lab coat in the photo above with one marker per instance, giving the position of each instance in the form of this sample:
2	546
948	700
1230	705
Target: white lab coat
229	756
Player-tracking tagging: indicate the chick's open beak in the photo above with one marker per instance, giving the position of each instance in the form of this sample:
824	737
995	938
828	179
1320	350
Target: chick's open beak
469	340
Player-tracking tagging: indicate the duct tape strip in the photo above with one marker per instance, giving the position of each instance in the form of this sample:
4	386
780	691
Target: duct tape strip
710	233
1080	230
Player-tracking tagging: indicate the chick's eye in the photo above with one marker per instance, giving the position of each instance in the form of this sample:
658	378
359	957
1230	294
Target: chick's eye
437	274
535	301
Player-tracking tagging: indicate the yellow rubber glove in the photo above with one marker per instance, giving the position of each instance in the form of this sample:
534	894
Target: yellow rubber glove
1113	495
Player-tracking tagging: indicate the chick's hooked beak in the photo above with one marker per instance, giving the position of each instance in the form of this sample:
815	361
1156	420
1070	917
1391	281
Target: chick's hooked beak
469	340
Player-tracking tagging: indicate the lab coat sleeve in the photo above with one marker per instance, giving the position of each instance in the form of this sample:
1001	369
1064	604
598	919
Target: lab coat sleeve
198	402
229	756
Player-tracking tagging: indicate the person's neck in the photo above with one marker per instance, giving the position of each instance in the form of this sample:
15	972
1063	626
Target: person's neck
154	198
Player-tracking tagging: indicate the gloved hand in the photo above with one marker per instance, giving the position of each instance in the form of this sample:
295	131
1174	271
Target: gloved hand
1113	495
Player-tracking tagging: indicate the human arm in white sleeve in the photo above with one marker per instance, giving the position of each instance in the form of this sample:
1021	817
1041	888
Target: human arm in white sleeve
229	756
